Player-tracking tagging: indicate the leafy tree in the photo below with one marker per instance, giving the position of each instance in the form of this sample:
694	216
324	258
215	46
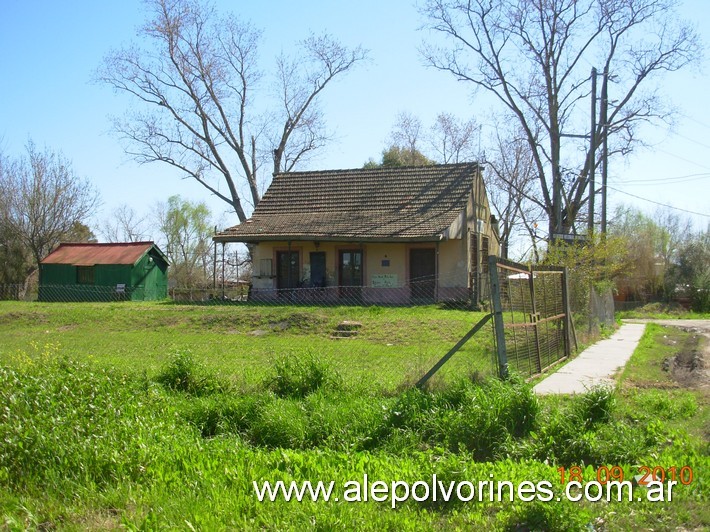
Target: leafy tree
653	244
593	263
690	274
187	232
198	82
44	202
534	58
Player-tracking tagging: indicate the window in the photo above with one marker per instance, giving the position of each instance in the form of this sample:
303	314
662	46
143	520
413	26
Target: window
265	269
84	275
484	254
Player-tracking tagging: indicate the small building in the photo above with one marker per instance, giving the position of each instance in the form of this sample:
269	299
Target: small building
135	271
389	235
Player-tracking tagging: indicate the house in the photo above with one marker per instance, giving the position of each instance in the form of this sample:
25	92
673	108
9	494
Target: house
391	235
135	271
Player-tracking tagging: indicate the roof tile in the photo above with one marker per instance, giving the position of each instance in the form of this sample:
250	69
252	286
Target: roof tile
388	203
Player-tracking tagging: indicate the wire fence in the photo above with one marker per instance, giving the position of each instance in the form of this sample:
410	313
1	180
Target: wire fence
532	311
386	338
390	336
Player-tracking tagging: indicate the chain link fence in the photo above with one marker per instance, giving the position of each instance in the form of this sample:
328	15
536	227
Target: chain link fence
389	336
385	338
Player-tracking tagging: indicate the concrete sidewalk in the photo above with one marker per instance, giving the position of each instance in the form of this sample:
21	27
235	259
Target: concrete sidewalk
595	365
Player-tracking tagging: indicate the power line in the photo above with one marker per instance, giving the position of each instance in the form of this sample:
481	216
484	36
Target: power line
683	159
657	203
689	139
694	120
667	180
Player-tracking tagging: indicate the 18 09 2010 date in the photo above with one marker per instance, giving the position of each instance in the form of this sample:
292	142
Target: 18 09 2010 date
645	474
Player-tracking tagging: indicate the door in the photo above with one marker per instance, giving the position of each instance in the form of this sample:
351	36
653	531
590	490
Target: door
287	271
317	269
422	274
350	274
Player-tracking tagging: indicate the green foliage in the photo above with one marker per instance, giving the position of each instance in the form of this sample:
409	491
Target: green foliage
596	406
183	374
666	405
396	156
593	263
187	230
690	274
69	422
481	418
298	375
85	446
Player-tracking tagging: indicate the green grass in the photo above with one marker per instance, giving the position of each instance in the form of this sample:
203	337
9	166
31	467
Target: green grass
395	345
172	439
662	311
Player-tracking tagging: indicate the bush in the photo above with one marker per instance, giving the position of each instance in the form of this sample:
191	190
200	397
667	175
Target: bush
300	375
596	406
480	418
183	374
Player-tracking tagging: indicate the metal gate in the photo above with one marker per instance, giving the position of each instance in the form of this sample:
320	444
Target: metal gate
532	317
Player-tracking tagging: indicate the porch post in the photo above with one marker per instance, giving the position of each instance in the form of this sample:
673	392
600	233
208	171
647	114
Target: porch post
436	273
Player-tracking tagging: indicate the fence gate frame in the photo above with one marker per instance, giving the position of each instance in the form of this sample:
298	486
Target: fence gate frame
533	320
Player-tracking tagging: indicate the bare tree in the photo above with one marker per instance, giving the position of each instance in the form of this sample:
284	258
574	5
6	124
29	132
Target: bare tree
454	140
124	225
534	57
45	201
199	81
512	187
448	140
406	132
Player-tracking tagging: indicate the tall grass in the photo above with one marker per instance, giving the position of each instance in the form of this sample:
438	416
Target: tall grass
83	445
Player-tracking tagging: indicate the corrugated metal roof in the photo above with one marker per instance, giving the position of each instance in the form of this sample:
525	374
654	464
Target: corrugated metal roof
388	203
89	254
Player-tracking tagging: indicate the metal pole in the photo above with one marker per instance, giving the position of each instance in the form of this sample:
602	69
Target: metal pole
592	152
214	264
605	147
498	317
223	245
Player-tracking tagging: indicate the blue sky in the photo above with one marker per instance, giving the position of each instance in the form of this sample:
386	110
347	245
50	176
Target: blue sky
51	49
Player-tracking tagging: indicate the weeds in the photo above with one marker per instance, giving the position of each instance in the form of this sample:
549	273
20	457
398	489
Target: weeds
300	375
183	374
83	445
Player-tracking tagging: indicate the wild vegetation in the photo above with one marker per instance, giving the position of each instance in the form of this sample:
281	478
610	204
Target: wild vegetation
89	440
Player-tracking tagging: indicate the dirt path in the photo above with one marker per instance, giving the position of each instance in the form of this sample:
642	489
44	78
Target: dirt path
693	364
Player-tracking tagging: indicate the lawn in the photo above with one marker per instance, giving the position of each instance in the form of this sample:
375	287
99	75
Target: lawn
394	347
161	416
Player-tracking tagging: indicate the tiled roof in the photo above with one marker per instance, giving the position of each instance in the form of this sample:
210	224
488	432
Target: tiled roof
408	203
90	254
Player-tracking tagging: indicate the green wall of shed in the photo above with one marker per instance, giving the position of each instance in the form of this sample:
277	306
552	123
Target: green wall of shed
147	280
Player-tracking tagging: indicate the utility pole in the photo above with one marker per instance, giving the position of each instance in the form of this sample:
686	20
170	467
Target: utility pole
605	146
592	152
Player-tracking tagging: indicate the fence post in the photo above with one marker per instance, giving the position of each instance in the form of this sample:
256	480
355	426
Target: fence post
570	333
568	315
498	316
534	320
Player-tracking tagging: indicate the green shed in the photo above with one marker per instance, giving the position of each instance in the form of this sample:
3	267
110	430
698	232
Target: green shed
131	271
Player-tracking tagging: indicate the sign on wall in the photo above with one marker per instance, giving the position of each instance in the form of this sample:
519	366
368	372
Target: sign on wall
384	280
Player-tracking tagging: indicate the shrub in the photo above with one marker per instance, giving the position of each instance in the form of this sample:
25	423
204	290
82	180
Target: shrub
222	413
183	374
595	406
300	375
281	423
